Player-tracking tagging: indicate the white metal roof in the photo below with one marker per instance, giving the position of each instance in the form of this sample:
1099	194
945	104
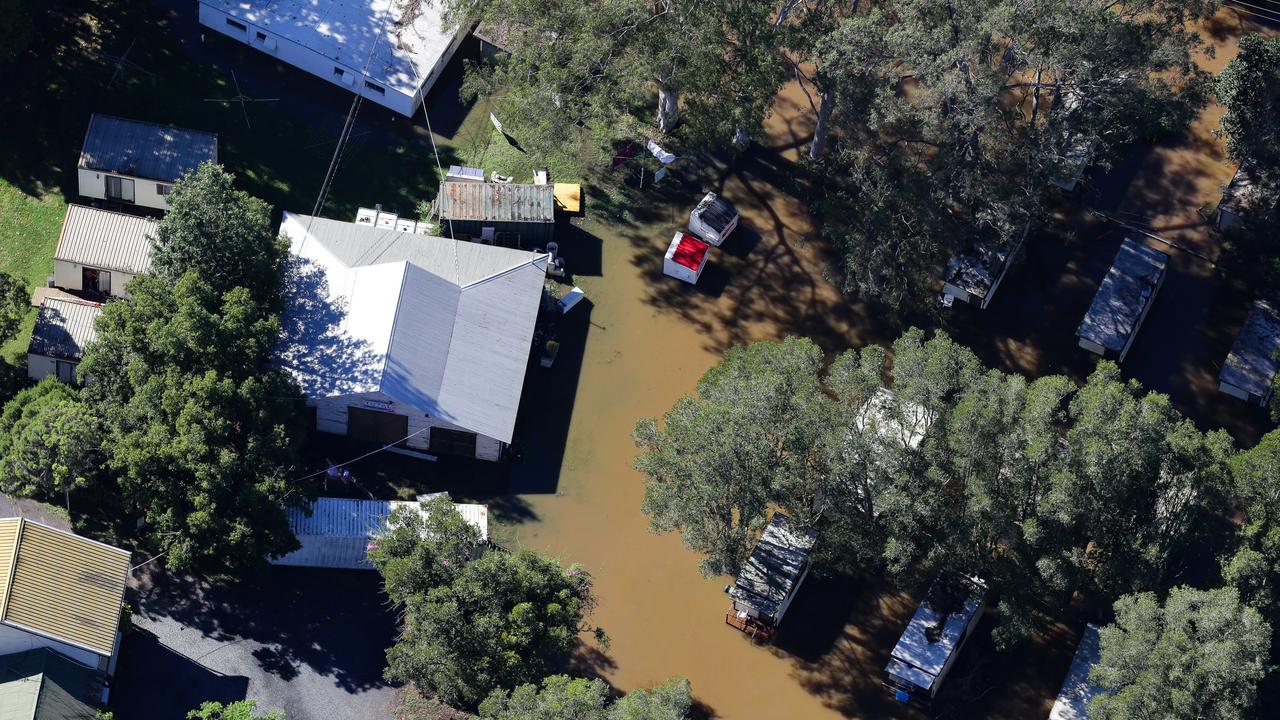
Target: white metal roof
106	240
444	326
1077	692
914	648
64	328
338	530
900	421
354	33
145	149
1124	294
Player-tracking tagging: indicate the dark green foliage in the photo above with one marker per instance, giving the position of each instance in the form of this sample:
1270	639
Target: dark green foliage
222	234
1041	488
242	710
1254	569
470	627
1249	88
15	303
1200	656
563	698
16	29
50	443
201	434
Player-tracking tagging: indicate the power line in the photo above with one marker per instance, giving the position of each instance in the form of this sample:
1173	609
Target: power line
358	459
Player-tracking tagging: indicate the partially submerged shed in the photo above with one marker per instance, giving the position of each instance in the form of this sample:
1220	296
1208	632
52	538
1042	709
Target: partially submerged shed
64	328
713	219
1251	366
1123	299
1237	196
772	575
686	258
336	533
507	214
974	273
136	163
935	635
1077	691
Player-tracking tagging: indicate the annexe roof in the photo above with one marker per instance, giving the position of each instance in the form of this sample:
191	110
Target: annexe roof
915	657
1252	364
400	49
64	328
775	565
61	585
106	240
715	212
1077	691
145	150
443	326
1124	294
40	684
497	202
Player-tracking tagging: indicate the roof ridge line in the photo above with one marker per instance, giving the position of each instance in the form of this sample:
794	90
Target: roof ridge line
511	269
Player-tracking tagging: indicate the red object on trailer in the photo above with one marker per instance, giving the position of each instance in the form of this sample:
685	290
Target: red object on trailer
685	258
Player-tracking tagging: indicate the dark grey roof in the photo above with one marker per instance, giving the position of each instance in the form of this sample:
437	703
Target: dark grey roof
715	212
64	328
1239	194
1251	366
145	150
775	565
40	684
499	202
1129	287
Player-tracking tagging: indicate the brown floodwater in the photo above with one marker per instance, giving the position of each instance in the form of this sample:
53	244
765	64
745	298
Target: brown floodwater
643	340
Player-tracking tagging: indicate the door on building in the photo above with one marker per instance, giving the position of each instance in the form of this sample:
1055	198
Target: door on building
453	442
373	426
97	281
66	371
119	189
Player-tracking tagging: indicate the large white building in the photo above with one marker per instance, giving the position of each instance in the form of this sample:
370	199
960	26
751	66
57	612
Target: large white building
405	339
389	51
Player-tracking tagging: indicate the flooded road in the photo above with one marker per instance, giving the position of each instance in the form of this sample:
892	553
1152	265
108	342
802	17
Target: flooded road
643	340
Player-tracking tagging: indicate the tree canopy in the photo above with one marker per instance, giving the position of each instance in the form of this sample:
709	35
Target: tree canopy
472	626
50	443
241	710
222	234
201	434
935	462
560	697
1199	656
15	303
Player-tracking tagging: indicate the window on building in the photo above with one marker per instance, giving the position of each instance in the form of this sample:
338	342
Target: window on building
375	87
163	189
66	371
338	73
120	189
237	25
262	36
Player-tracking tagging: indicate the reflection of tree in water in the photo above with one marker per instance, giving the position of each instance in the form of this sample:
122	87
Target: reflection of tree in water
313	344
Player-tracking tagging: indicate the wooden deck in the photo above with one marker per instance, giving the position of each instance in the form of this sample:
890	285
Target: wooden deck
754	629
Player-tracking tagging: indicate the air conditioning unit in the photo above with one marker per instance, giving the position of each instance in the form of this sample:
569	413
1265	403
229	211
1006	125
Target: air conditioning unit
348	79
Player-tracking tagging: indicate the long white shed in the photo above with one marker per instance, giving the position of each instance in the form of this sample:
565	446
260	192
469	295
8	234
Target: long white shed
337	532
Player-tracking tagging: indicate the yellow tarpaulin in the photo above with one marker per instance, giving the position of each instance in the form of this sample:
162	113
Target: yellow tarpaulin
568	197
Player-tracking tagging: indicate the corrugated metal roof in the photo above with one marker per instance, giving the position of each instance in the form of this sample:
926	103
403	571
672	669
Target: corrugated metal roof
441	325
64	328
61	585
337	532
1251	366
106	240
143	149
917	650
1123	295
499	202
775	565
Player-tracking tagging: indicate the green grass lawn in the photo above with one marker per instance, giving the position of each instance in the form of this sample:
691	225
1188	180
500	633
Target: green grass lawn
29	228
